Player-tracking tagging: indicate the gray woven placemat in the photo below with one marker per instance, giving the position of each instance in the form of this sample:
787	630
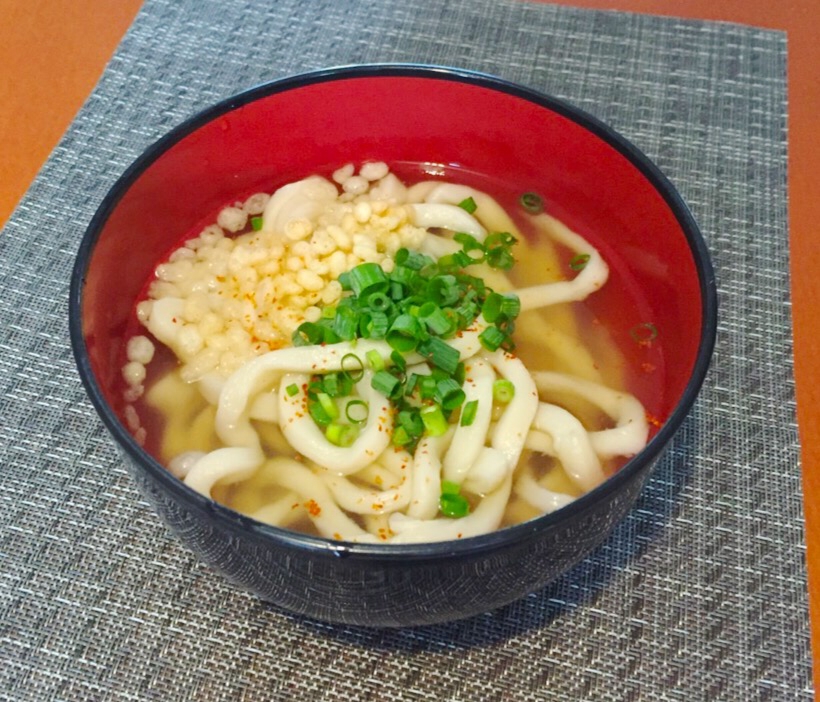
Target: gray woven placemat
699	595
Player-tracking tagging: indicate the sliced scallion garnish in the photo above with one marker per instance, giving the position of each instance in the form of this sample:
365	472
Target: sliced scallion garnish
468	413
532	203
579	261
385	383
343	435
468	205
357	411
454	506
353	367
503	391
644	333
434	420
374	360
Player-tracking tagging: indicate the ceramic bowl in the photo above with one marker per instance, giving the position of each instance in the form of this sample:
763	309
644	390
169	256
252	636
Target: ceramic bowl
432	121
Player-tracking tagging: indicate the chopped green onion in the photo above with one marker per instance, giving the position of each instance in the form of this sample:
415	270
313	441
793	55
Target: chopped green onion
500	258
410	384
379	302
367	278
328	405
499	240
468	413
374	360
449	394
353	367
532	203
436	321
336	384
385	382
579	261
454	506
373	324
308	334
399	361
448	487
401	437
341	434
329	336
468	241
434	421
491	309
454	261
346	323
357	411
318	414
443	290
466	314
411	421
412	259
427	387
333	385
468	205
510	305
404	333
256	223
292	389
491	338
503	391
440	354
471	246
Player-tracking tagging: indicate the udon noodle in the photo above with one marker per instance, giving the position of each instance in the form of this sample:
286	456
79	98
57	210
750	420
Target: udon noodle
358	358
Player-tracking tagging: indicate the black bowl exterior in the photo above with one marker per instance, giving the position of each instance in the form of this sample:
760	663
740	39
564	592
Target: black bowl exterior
348	588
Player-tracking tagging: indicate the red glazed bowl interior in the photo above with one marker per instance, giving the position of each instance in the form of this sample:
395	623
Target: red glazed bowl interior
450	122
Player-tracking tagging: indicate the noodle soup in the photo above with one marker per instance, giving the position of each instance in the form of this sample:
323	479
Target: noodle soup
371	360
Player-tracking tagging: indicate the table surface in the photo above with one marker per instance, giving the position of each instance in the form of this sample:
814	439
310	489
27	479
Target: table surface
50	68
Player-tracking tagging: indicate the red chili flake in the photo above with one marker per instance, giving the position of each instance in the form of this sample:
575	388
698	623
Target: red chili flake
313	508
653	420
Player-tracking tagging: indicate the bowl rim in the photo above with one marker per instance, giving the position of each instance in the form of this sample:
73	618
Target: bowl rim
433	551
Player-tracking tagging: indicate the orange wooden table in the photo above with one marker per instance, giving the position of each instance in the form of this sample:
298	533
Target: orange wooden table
52	54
